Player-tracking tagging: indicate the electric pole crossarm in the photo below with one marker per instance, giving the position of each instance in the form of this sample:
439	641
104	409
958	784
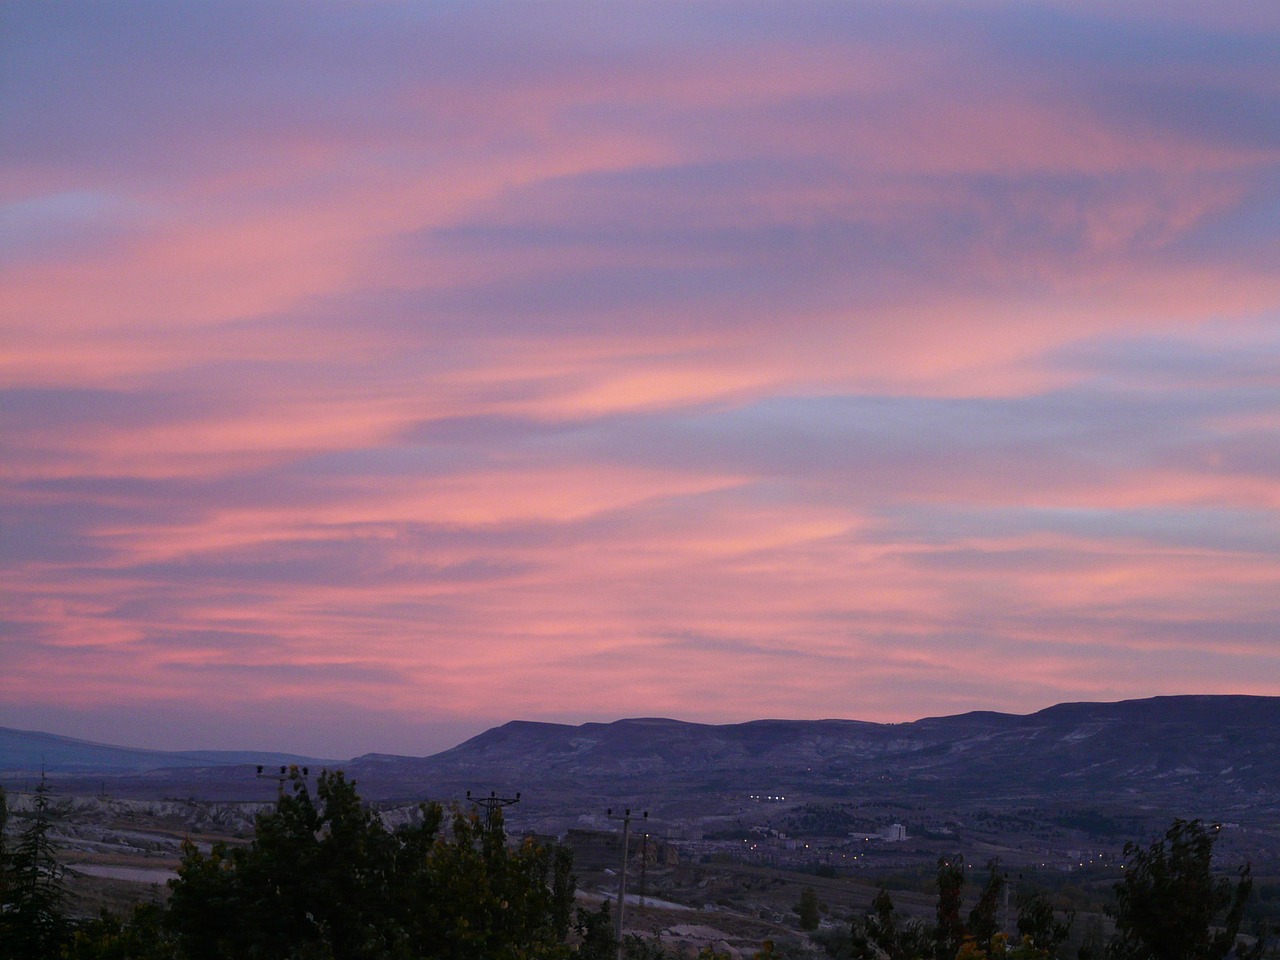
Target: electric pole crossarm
284	776
492	803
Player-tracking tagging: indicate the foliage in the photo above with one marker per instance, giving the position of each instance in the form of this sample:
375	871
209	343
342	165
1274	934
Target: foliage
808	909
983	923
638	948
324	879
1170	906
1037	924
1093	945
328	880
999	948
596	940
33	910
313	881
141	937
949	932
4	852
884	934
826	820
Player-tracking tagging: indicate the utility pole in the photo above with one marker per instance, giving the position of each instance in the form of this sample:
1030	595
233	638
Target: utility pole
492	803
644	866
1008	920
622	877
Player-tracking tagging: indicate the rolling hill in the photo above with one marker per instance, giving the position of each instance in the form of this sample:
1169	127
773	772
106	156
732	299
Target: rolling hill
1219	745
27	752
1212	750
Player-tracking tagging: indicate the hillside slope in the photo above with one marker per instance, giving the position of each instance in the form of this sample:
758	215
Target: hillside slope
27	752
1224	745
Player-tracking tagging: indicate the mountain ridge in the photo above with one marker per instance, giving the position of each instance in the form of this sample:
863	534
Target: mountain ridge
1205	744
32	751
1220	745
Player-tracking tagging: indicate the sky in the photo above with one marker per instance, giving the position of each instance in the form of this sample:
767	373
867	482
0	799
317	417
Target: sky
372	373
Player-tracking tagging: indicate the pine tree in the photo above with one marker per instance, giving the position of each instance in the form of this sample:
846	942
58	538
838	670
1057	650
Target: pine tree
33	923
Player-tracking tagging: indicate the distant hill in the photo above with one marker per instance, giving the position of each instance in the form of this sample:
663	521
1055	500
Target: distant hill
1223	746
1187	753
28	752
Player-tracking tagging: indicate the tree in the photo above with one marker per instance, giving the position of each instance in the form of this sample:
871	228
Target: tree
983	924
474	896
636	947
4	852
596	940
314	879
324	878
1170	906
1001	949
1036	921
1093	945
808	909
139	937
33	912
883	933
949	933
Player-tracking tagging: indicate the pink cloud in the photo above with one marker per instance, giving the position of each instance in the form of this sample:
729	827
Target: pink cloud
852	363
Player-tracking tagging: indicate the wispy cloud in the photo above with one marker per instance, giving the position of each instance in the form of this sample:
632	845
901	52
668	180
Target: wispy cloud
450	363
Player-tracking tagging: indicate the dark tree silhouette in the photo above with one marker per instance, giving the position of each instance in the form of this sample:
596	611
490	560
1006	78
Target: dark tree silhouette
949	933
808	909
883	933
33	909
325	878
1037	923
1170	906
983	920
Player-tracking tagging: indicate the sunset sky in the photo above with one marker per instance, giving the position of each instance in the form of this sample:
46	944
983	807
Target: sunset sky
372	373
